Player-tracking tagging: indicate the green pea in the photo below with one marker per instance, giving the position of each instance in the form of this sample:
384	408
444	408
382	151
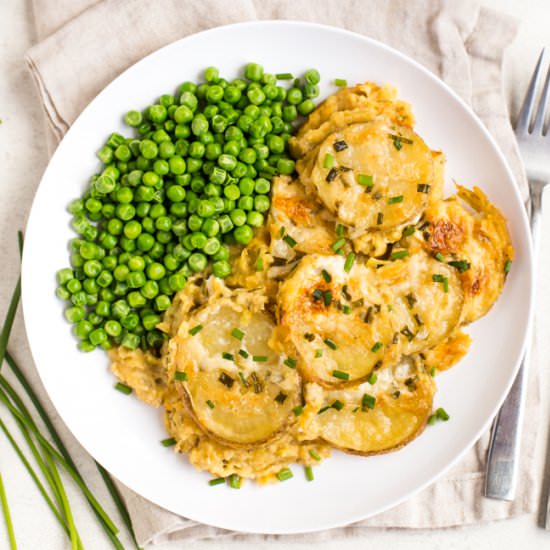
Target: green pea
254	72
197	262
162	302
246	203
112	328
211	246
225	223
83	328
98	336
243	234
205	209
136	263
75	314
155	271
221	268
132	229
254	219
238	217
145	242
261	203
211	74
150	290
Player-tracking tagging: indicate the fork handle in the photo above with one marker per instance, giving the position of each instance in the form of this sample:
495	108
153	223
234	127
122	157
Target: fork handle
501	475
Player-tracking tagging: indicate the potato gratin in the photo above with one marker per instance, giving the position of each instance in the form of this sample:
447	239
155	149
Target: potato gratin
339	312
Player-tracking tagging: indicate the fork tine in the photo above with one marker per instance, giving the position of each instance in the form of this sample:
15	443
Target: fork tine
541	109
524	117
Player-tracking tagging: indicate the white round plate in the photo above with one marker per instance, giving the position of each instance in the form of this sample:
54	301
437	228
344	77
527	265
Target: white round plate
123	434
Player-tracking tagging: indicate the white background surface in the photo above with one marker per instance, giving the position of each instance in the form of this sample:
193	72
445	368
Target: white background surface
23	158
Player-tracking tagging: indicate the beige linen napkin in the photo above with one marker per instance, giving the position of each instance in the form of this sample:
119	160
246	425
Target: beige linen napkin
86	43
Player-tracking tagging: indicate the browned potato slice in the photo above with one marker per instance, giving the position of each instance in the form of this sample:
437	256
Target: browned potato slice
470	230
299	217
361	103
379	181
344	325
238	388
449	352
372	418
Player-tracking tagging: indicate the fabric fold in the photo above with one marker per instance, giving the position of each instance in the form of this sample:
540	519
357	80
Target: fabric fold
85	44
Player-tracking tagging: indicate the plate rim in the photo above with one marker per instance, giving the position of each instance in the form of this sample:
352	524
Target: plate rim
494	146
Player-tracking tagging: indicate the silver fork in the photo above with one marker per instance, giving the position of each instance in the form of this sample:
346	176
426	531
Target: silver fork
503	458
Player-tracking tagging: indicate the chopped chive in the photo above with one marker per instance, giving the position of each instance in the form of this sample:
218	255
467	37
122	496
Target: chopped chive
418	320
341	375
282	231
258	388
423	188
433	371
318	353
408	231
377	347
339	243
365	180
228	356
346	293
313	454
379	218
284	474
348	264
317	294
290	362
308	470
439	257
326	276
399	254
259	358
328	342
284	76
507	266
407	333
401	139
327	297
216	481
368	401
243	353
210	404
169	442
259	266
340	82
437	278
369	315
340	145
328	161
237	333
338	405
339	229
281	397
234	481
123	388
397	143
372	379
243	380
290	241
396	394
180	376
298	410
346	309
411	299
432	419
226	380
309	337
396	199
461	265
331	176
195	329
323	409
442	414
